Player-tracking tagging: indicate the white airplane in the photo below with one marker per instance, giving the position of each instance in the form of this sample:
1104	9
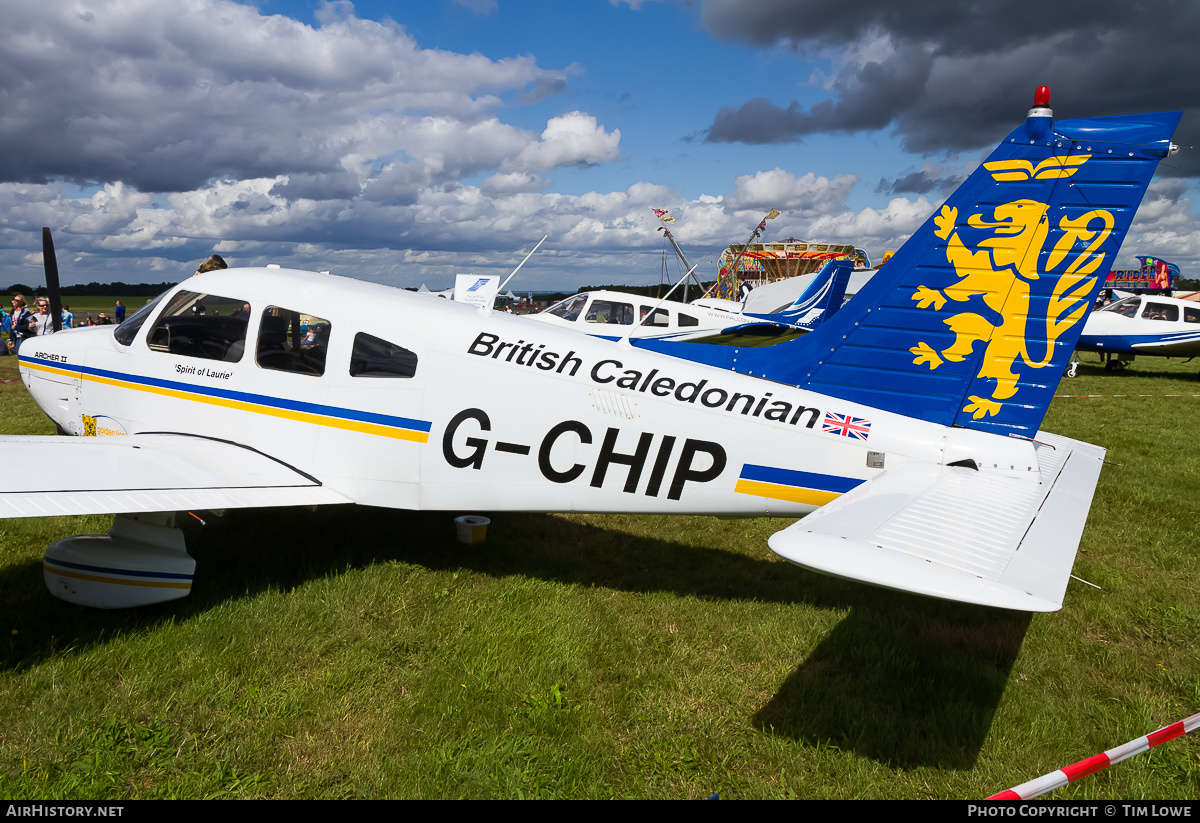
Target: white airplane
906	427
1148	325
616	314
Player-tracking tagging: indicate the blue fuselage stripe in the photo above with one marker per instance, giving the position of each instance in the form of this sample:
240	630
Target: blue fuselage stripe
799	479
244	397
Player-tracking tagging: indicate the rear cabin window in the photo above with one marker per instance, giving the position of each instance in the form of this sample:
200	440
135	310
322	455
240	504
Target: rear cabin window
375	357
660	318
687	320
1191	315
292	341
201	325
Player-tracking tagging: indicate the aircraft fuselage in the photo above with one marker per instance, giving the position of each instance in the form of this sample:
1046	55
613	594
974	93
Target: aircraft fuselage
469	409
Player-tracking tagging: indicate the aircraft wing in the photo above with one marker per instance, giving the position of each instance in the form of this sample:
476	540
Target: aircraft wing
53	476
958	533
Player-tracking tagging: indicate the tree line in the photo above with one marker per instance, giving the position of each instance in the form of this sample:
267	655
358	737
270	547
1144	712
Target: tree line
93	289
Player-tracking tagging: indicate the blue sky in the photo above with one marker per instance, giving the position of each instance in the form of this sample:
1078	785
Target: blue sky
404	143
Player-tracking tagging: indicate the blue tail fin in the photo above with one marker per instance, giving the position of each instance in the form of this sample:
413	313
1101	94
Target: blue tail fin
973	320
820	300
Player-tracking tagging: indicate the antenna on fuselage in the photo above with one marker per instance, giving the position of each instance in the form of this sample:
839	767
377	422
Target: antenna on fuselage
500	288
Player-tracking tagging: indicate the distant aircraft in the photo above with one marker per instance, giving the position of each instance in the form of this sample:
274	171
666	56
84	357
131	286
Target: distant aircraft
616	314
907	425
1147	325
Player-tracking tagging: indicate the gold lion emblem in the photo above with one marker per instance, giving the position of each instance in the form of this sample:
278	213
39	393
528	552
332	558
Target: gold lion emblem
1000	270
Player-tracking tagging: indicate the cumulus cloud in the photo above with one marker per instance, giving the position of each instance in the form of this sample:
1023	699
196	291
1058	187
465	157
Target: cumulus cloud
573	139
165	96
149	135
806	195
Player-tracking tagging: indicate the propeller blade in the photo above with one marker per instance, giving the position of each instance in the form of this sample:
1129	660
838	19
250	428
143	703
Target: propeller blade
50	262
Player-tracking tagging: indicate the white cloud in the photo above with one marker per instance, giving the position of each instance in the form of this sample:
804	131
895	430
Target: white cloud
779	189
164	96
572	139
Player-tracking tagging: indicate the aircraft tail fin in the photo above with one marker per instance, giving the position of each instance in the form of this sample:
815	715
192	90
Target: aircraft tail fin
820	300
973	320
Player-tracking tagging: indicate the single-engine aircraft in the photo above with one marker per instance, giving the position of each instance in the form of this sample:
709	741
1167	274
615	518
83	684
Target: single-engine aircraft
616	314
1149	325
905	427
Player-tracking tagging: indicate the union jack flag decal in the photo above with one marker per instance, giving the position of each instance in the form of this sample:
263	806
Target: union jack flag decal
857	427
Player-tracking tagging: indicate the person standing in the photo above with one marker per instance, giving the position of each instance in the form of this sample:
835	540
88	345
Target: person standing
67	317
120	313
43	322
23	324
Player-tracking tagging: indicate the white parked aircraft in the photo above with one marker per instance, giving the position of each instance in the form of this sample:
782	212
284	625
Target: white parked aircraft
1148	325
616	314
893	421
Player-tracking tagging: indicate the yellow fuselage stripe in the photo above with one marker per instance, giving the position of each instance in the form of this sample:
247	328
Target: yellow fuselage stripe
152	584
241	405
793	494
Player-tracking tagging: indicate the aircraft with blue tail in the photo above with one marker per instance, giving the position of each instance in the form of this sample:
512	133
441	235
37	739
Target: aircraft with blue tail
906	427
615	314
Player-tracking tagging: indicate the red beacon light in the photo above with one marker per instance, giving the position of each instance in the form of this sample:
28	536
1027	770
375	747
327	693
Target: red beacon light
1040	113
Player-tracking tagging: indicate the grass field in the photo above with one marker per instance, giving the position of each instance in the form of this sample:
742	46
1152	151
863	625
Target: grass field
353	652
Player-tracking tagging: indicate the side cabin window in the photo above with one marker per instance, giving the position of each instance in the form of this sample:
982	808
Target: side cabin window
201	325
570	308
611	312
687	320
374	357
1161	311
292	341
1191	315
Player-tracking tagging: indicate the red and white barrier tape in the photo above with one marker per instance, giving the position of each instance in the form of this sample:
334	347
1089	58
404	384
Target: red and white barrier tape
1125	395
1069	774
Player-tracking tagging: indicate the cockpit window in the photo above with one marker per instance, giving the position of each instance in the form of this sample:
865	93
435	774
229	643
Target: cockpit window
202	325
291	341
570	308
133	324
1126	308
373	357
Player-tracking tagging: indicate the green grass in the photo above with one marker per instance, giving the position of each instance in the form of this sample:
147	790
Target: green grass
352	652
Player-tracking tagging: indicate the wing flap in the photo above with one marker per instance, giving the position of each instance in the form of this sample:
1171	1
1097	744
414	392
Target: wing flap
54	476
957	533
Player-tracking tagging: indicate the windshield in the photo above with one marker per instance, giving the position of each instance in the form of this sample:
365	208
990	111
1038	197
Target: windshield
1126	308
570	308
129	329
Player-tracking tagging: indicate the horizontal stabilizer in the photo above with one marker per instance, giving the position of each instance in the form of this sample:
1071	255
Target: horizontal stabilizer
145	473
958	533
